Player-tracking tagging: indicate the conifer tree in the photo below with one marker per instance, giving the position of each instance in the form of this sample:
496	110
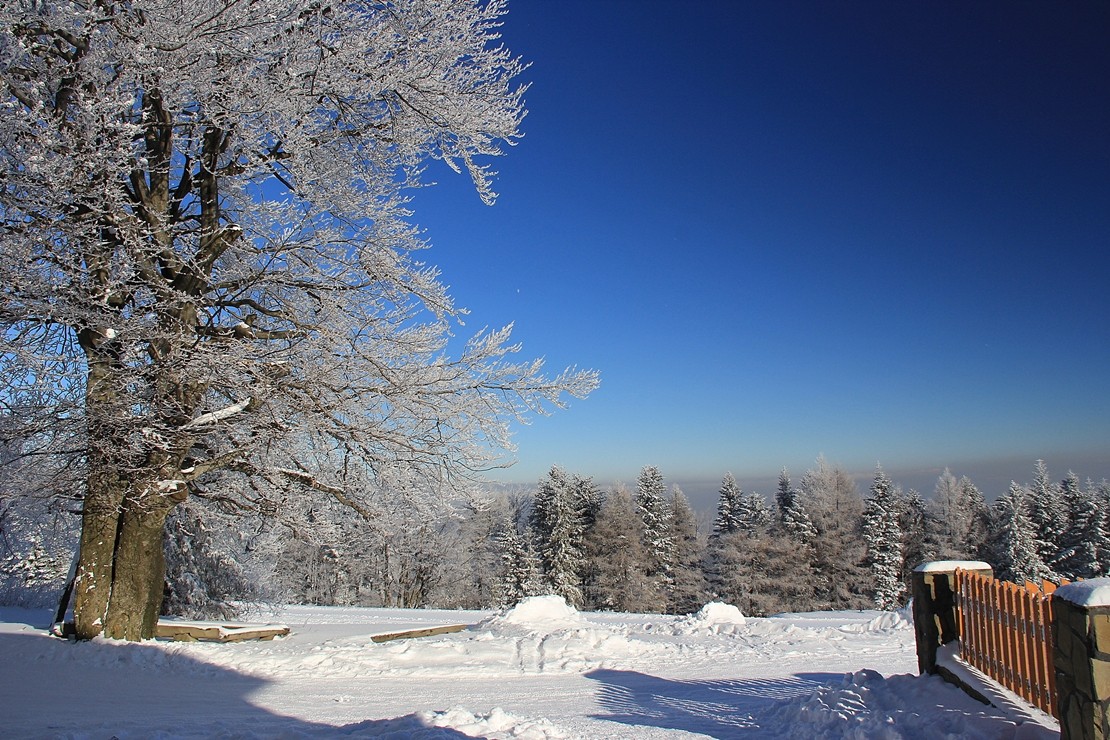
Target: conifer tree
792	514
883	535
519	576
1084	543
558	533
652	505
1013	545
687	589
616	547
728	507
1047	513
919	533
754	515
834	503
976	518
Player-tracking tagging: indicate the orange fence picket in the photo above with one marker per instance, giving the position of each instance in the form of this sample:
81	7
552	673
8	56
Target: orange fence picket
1006	632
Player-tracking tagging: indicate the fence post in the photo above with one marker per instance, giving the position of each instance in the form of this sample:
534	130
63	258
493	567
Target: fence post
934	608
1081	658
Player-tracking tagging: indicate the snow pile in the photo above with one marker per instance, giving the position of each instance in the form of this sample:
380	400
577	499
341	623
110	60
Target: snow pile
546	634
540	614
715	618
898	620
497	724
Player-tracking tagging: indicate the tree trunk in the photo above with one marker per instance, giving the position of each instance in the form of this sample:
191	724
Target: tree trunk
99	532
122	566
140	569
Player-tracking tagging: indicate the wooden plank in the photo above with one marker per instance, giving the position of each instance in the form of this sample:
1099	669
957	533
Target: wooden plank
425	632
218	631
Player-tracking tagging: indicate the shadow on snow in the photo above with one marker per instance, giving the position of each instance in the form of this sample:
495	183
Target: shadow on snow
720	708
55	688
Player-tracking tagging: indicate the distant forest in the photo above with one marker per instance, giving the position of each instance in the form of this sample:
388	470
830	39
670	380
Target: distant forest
818	544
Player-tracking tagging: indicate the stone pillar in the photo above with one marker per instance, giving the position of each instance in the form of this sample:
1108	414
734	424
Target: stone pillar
934	608
1081	655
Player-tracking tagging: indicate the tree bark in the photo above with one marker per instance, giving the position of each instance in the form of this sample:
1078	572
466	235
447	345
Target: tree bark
140	569
99	531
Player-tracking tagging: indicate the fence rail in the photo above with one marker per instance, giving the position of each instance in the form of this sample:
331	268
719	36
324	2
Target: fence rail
1006	632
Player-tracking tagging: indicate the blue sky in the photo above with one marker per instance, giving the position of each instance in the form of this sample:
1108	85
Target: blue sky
875	231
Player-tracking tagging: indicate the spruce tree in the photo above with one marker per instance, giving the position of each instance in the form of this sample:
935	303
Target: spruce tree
1047	512
976	519
616	549
519	576
1013	545
883	535
652	505
792	514
1084	542
687	589
728	507
919	533
558	533
753	515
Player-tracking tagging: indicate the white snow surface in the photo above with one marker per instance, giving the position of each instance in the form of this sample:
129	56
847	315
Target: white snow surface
947	566
1092	592
539	671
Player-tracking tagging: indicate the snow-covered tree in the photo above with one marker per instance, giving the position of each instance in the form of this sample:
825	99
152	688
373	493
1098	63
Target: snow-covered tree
557	528
203	578
519	576
962	517
1013	543
793	517
616	547
1084	545
883	535
687	589
1047	512
208	262
651	502
836	508
919	533
728	507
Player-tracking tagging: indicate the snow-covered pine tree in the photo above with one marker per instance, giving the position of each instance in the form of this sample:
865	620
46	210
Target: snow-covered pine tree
1013	544
616	549
1085	546
978	519
204	580
1047	512
687	590
519	574
883	535
793	517
588	500
728	507
652	504
754	515
919	533
558	532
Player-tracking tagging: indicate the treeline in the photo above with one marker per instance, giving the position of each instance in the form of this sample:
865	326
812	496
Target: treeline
817	543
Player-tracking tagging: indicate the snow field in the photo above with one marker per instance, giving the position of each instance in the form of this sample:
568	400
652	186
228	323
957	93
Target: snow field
541	670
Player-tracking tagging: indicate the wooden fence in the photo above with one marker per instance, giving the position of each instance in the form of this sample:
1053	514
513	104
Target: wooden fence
1006	632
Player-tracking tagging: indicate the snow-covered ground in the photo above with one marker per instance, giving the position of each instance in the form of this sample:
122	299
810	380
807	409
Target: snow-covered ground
541	670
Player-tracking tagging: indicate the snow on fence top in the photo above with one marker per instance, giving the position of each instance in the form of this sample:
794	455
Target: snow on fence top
951	565
1092	592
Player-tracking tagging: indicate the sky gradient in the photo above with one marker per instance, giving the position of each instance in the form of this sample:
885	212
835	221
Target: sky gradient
875	231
